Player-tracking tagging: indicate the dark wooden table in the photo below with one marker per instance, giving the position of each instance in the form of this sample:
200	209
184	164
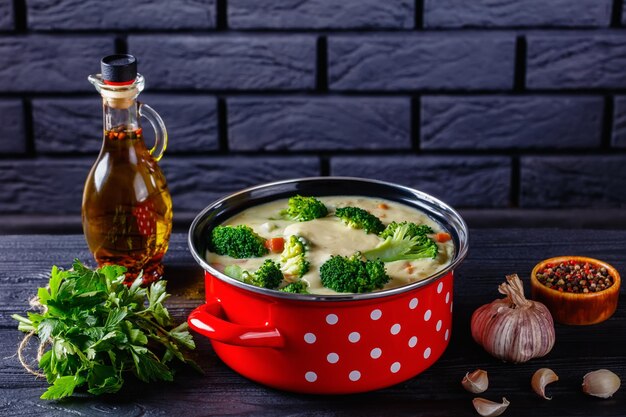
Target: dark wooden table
25	262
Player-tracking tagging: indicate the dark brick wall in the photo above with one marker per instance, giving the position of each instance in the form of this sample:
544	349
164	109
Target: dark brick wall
516	13
489	104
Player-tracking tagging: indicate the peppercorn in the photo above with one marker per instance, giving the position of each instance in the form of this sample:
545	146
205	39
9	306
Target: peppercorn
575	277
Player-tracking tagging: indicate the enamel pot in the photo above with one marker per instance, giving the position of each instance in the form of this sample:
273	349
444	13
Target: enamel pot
330	344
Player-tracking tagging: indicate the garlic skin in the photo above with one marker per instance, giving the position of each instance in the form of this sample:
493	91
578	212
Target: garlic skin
540	379
488	408
476	382
601	383
514	328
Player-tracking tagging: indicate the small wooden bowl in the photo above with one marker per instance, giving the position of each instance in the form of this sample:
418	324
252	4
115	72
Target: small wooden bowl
577	308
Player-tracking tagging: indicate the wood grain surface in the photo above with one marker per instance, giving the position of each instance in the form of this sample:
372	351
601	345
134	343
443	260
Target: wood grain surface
26	260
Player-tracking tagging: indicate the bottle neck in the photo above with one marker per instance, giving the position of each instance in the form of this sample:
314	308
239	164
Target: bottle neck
120	114
119	103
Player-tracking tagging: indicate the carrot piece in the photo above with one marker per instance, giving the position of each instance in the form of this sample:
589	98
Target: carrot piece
275	244
442	237
383	206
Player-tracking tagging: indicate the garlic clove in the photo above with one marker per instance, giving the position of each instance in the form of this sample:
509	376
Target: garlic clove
488	408
476	382
601	383
540	379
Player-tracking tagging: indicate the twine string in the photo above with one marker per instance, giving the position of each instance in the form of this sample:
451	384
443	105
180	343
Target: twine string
36	305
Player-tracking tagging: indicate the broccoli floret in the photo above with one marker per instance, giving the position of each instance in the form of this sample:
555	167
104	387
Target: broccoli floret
351	274
357	218
292	258
401	245
237	242
303	209
413	229
267	276
299	287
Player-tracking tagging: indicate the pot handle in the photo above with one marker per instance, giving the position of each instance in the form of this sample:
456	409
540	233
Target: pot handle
206	321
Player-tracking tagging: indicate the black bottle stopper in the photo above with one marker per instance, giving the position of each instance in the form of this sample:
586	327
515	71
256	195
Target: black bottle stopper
119	69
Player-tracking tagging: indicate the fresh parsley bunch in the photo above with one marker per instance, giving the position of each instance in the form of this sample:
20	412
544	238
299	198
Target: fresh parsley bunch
98	329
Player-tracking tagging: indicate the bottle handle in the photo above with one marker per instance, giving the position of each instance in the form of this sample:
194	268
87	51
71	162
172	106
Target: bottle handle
160	132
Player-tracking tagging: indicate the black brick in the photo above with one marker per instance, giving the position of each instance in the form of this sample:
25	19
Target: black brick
313	123
75	125
50	63
501	122
576	60
516	13
460	181
43	186
6	15
67	124
196	182
12	135
421	61
320	14
120	14
573	181
619	122
191	121
227	62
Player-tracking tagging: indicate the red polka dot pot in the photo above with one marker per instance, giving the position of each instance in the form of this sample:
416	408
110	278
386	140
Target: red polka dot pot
335	344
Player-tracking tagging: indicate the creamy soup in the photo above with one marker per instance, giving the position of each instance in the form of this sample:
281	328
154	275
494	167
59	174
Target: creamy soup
330	236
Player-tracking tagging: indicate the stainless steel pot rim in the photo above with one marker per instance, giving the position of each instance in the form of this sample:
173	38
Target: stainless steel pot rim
460	250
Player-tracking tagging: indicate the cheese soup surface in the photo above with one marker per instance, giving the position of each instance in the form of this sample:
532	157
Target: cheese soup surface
329	236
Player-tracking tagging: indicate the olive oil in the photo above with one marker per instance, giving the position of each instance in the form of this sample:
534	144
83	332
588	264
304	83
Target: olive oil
127	209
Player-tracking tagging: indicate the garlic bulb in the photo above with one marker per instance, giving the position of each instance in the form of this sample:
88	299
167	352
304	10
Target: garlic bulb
513	329
601	383
476	382
541	378
488	408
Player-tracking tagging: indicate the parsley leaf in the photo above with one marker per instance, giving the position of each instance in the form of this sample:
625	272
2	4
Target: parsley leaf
99	329
62	387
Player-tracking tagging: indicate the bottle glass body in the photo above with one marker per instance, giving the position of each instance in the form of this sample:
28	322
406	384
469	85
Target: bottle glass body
127	208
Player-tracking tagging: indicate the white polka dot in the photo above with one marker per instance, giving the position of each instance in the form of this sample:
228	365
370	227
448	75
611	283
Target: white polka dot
354	376
395	367
413	303
440	288
451	306
427	353
446	335
310	338
427	315
395	329
375	353
413	341
376	314
310	376
439	323
332	357
332	319
447	297
354	337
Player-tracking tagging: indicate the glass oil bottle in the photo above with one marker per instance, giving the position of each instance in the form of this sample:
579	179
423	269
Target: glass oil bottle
127	208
